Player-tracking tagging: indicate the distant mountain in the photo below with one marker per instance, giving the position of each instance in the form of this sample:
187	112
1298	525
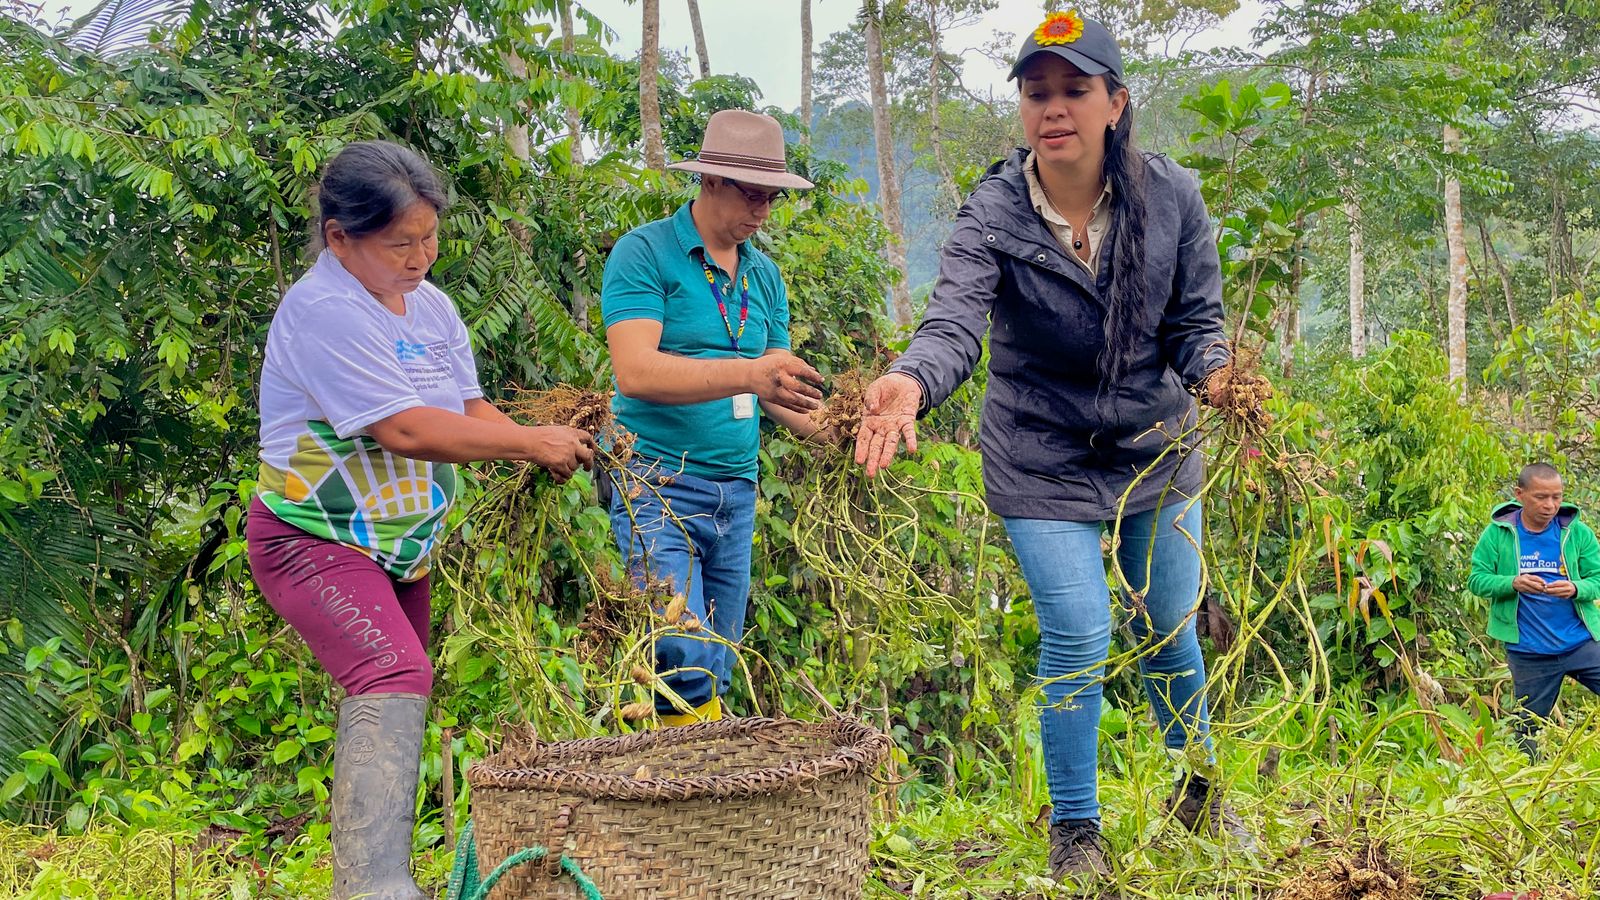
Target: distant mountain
843	134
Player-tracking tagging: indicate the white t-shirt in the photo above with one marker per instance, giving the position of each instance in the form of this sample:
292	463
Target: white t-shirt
337	360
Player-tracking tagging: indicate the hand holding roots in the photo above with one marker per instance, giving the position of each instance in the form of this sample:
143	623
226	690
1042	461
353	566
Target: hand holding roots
576	408
873	410
842	411
1240	392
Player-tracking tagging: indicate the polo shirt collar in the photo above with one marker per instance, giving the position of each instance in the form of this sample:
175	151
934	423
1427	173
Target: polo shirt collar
689	236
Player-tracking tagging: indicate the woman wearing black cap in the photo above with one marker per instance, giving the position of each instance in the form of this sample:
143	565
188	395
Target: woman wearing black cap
1095	270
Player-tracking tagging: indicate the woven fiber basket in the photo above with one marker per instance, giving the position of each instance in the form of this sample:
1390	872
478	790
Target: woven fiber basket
741	809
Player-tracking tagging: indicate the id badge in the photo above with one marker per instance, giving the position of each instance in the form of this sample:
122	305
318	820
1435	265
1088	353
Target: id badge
744	406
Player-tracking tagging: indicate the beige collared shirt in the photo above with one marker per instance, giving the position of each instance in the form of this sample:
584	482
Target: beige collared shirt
1095	231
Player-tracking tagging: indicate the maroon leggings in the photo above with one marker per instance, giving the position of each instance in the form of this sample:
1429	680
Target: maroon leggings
367	629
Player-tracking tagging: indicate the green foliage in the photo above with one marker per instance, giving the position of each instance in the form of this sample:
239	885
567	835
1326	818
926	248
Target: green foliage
828	249
1365	771
1424	469
1549	374
1260	213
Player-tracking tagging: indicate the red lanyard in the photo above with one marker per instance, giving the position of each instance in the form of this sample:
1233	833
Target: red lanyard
744	304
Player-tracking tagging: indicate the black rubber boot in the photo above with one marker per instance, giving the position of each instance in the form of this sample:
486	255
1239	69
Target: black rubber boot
375	762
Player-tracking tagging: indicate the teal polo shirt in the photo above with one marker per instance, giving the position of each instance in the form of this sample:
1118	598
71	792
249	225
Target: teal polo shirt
655	272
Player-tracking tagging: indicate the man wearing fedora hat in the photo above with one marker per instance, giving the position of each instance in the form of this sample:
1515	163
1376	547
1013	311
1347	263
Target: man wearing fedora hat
697	320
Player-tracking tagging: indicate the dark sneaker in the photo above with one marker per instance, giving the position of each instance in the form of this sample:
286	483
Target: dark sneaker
1078	851
1198	805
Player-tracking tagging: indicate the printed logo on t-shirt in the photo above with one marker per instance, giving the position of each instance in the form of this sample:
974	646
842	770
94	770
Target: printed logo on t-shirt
1545	623
427	365
1534	563
405	351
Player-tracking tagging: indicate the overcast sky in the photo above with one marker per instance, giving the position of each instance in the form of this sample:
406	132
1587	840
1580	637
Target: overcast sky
761	38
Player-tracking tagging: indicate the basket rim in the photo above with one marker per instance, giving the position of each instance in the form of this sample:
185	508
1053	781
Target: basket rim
861	749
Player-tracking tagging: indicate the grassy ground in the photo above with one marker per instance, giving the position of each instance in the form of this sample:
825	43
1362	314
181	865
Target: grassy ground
1375	814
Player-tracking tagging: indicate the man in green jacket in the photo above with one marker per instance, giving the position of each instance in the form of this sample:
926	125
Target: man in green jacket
1538	565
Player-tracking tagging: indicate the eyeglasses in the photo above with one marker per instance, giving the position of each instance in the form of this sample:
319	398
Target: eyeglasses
757	199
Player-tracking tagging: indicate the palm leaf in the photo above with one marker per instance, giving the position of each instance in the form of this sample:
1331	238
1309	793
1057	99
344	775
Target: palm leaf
50	557
116	27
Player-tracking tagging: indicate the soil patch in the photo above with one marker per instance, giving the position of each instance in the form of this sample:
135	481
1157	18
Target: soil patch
1368	874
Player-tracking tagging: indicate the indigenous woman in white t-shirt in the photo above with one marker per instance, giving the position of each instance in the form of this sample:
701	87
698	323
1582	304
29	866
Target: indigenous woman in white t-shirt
369	396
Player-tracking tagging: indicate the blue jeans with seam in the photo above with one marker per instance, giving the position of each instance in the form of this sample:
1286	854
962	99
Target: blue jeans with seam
1066	573
696	533
1536	679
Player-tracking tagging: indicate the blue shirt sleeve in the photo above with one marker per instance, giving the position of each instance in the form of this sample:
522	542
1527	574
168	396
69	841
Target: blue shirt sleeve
778	328
632	287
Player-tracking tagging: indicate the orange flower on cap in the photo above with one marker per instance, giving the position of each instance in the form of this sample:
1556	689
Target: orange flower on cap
1059	28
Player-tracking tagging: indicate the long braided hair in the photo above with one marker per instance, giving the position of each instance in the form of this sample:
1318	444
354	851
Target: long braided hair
1124	170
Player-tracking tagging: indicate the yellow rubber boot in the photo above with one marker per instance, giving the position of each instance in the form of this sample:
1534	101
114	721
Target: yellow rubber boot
710	711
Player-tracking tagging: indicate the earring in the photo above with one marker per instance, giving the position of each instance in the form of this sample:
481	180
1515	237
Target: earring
1113	126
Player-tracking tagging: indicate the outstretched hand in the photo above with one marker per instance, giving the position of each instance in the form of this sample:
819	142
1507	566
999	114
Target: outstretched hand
889	413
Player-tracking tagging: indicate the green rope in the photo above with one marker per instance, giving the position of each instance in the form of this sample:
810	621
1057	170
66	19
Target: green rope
464	871
464	884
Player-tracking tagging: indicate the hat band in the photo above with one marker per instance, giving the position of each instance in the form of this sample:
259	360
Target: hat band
766	164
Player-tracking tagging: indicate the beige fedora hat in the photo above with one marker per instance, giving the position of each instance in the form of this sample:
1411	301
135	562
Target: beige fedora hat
744	146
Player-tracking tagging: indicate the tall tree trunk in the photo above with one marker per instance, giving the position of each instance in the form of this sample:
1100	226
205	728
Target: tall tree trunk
1561	263
1358	279
699	39
947	181
805	72
888	177
516	133
1455	240
655	151
569	46
1493	255
517	141
577	292
1290	336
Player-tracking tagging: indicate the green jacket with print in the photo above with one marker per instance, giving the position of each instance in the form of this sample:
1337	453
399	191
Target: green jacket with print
1494	566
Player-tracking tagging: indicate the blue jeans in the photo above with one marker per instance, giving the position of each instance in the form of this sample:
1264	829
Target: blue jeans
1536	679
703	548
1066	574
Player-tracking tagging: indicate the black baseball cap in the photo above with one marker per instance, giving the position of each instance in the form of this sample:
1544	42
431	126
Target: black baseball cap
1083	42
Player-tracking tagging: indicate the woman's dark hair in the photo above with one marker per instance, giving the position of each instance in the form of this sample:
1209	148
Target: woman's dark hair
1125	172
368	183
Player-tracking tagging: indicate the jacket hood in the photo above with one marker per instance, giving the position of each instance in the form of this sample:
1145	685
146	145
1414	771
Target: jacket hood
1010	164
1504	514
1002	190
